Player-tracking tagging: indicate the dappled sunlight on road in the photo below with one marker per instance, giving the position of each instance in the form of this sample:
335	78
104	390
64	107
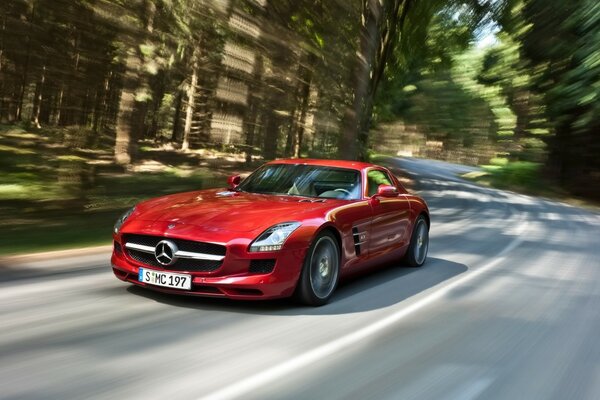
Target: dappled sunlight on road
509	278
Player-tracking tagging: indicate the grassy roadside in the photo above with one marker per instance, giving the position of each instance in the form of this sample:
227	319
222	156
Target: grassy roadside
524	177
33	226
59	190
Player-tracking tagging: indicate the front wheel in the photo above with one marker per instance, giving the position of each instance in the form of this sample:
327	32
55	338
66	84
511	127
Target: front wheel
419	244
320	272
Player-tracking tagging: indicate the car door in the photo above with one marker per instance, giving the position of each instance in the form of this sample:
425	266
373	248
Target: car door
390	216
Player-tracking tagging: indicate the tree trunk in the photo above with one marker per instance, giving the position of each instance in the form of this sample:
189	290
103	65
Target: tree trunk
250	118
177	116
38	100
24	76
131	113
271	135
100	107
306	79
58	107
126	108
69	104
157	99
2	41
191	97
291	137
355	114
380	23
522	113
3	116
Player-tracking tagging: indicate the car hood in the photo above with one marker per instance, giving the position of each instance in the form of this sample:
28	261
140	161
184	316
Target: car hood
232	211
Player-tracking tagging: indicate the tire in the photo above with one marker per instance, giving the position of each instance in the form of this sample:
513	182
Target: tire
320	272
416	255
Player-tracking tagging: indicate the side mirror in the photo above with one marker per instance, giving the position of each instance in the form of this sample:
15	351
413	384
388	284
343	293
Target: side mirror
233	181
387	191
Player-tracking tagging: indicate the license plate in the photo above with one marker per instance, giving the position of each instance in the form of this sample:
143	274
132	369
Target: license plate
167	279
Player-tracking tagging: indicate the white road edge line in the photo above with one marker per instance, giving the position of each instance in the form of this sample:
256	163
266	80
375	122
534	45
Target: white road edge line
255	381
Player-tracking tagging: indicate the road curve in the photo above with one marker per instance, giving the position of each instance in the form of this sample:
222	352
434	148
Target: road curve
507	307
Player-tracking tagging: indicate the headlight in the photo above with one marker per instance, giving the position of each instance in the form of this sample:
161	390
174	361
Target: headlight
122	219
272	239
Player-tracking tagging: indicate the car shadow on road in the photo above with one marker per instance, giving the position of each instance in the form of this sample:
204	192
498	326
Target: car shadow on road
382	288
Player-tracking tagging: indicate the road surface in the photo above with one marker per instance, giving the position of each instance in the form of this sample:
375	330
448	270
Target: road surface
507	307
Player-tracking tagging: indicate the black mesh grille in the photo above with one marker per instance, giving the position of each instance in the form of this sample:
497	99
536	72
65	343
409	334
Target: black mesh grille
262	266
144	258
188	264
184	245
118	248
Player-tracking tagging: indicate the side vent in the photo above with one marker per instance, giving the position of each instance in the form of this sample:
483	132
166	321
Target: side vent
356	237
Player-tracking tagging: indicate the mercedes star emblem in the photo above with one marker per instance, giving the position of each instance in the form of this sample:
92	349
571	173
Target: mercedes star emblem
164	252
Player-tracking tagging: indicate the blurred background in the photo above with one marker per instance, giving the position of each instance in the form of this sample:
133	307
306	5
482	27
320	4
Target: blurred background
107	102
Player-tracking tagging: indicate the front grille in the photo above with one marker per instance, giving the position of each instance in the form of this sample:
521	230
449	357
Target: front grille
118	248
185	245
181	264
262	266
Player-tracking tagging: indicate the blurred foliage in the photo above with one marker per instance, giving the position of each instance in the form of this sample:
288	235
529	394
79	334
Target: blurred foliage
533	93
523	174
561	57
93	92
58	195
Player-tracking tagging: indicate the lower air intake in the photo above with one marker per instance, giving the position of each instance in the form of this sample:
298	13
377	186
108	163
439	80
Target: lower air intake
262	266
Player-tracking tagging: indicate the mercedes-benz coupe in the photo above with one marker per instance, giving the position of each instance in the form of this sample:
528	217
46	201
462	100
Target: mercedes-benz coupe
291	228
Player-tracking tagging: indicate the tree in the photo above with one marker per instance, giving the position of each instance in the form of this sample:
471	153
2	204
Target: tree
132	102
559	41
380	21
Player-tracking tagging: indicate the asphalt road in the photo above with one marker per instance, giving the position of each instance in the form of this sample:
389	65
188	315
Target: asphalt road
507	307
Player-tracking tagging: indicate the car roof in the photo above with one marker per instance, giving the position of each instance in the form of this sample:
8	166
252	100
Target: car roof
358	165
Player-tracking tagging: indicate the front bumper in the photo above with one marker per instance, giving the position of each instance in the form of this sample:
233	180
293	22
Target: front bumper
232	279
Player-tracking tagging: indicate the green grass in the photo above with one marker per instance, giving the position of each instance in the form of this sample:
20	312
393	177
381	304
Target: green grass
57	232
32	226
524	177
521	176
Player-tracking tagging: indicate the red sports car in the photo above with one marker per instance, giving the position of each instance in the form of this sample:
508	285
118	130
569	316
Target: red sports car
291	228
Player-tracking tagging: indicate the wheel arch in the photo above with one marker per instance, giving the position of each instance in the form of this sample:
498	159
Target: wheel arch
335	232
425	214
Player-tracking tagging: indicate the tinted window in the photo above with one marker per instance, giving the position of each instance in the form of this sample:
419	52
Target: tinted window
304	180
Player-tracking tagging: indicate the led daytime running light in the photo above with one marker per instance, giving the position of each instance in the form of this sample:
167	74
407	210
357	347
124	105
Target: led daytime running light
273	238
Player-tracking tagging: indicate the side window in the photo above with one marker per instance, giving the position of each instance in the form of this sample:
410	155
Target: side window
375	178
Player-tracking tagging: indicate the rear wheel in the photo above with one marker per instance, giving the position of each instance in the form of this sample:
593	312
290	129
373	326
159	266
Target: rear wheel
320	272
419	244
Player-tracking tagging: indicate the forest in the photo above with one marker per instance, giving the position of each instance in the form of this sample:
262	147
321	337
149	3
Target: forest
90	88
296	78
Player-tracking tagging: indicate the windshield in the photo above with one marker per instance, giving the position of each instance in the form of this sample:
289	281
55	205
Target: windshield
304	180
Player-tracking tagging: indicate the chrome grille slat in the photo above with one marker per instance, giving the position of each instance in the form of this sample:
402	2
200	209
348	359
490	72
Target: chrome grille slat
140	247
